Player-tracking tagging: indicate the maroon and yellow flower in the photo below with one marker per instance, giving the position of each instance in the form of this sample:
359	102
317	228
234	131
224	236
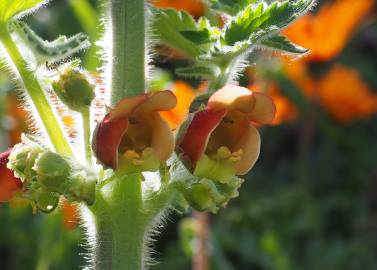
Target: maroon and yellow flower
221	140
133	136
9	184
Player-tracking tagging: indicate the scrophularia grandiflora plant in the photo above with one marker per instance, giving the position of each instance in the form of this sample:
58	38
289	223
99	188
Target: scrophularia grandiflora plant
129	169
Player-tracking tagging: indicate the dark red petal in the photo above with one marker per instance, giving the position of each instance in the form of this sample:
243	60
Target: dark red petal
107	139
195	139
9	184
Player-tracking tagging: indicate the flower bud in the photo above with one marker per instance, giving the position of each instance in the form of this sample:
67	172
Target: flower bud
22	158
52	170
208	195
46	201
65	176
74	90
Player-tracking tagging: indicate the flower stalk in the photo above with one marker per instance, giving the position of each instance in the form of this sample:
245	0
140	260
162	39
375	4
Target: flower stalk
35	91
85	116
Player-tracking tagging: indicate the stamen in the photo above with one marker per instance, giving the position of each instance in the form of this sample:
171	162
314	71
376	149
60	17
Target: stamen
235	158
131	154
223	152
147	152
238	153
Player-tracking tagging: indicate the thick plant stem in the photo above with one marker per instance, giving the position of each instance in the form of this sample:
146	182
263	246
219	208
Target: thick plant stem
120	225
34	90
129	225
222	79
128	48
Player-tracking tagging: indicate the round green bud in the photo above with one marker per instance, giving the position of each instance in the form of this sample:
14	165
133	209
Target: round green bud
74	90
52	170
46	201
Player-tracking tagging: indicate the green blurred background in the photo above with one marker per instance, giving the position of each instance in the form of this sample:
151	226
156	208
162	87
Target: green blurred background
311	200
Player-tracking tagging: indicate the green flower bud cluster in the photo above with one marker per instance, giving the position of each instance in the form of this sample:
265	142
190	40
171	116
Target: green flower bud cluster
48	175
74	90
208	195
64	176
202	194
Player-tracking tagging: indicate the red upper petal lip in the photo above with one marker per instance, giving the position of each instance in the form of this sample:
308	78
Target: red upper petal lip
107	139
110	131
194	142
9	184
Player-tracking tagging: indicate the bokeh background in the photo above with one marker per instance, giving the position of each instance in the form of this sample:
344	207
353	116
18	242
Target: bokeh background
311	200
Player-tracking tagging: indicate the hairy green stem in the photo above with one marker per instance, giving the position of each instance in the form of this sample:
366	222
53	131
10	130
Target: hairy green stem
222	79
85	115
128	224
34	90
121	223
128	48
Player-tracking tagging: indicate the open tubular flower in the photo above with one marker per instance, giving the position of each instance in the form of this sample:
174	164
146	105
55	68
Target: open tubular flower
133	136
221	140
9	184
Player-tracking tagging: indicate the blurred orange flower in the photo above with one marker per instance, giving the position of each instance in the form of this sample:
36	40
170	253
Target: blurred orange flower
285	109
194	7
70	217
185	95
18	118
327	32
344	94
297	72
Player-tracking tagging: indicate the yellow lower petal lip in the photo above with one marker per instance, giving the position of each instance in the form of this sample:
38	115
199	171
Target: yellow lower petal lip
250	145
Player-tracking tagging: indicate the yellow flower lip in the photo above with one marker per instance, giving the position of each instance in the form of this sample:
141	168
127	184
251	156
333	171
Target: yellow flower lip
135	129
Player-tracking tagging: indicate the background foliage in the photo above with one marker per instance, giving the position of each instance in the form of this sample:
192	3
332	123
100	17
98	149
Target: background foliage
310	202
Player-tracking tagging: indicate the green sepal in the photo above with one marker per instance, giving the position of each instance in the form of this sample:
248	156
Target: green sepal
202	194
179	204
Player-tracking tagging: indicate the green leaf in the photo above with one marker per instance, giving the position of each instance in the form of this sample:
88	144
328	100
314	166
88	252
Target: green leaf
49	51
261	17
232	7
179	30
199	70
12	8
281	43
